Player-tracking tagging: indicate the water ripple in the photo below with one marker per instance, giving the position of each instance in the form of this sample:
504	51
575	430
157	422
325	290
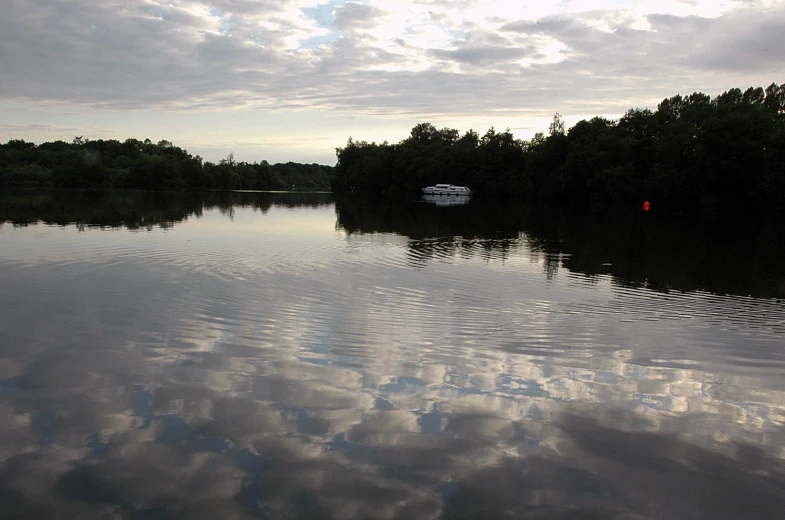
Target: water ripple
290	371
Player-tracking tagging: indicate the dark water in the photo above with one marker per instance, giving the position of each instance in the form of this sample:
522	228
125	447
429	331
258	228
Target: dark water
291	356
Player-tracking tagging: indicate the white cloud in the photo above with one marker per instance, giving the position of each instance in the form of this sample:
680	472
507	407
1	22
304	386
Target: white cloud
440	60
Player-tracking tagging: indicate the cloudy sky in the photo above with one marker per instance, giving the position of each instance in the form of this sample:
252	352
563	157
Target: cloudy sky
292	79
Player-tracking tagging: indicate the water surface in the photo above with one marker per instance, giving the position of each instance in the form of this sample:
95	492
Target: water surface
253	355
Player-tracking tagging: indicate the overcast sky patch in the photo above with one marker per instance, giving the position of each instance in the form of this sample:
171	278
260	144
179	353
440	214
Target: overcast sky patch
449	60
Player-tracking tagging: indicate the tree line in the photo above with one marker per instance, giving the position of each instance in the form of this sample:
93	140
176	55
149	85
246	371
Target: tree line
691	153
135	164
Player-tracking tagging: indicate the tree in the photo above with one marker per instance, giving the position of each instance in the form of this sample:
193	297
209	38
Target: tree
557	125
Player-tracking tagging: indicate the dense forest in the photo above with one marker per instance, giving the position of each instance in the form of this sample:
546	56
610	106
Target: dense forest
111	164
691	153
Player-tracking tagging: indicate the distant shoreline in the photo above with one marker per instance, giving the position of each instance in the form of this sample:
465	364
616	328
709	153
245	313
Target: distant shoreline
135	164
693	154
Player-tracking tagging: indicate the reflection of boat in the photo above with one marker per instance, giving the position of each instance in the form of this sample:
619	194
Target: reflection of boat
447	189
440	200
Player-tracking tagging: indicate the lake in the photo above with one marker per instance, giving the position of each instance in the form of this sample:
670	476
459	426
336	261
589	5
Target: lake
258	355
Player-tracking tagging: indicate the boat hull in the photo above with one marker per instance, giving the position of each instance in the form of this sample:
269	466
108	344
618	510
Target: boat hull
429	191
440	200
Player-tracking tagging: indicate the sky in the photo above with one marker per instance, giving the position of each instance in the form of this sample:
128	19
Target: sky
291	80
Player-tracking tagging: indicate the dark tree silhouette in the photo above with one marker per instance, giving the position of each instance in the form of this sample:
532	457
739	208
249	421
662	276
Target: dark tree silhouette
692	154
111	164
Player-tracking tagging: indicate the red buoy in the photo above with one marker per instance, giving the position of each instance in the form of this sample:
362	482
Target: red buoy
646	206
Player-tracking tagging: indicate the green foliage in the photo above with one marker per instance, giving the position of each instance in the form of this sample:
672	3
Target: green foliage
306	176
111	164
691	154
428	156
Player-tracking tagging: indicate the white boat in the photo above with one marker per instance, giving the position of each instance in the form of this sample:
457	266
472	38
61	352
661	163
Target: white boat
447	189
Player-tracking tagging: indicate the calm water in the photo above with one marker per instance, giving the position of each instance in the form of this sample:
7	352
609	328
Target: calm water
292	356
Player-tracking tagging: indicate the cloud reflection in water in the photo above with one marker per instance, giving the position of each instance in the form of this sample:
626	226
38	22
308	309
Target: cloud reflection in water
346	384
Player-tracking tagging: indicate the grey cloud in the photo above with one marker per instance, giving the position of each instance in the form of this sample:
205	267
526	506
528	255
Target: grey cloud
461	4
356	16
550	25
735	41
683	24
440	18
175	15
134	61
37	128
245	7
476	36
115	54
748	43
581	39
484	54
